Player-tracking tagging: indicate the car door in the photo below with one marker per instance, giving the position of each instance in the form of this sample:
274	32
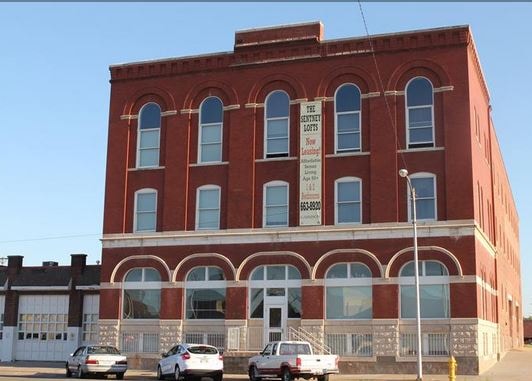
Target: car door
166	362
73	361
263	358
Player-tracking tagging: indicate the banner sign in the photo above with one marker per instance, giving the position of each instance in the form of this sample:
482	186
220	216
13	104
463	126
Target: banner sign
310	164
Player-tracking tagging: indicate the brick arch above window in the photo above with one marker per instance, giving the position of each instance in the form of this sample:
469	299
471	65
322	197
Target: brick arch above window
149	94
418	68
135	261
273	258
336	78
203	90
266	85
424	253
202	260
347	255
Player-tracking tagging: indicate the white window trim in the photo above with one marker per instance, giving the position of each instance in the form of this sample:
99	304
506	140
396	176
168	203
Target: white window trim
422	175
347	179
407	108
200	132
137	164
144	191
198	191
336	149
275	183
266	119
425	280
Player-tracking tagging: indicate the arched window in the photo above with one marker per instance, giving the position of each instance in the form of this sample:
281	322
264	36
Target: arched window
205	293
148	136
210	133
283	281
277	124
349	291
145	210
208	207
348	200
347	118
433	290
426	200
142	294
275	210
420	113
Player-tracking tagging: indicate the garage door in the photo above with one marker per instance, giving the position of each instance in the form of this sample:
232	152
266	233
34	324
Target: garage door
42	328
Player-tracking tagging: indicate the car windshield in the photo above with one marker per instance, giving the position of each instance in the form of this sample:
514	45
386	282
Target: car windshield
103	350
203	350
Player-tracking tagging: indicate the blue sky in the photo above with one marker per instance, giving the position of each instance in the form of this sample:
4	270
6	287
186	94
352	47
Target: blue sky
54	96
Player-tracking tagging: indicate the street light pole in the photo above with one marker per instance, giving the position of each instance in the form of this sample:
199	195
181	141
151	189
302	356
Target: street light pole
404	173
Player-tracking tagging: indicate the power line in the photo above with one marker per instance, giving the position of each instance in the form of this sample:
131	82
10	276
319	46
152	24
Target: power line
51	238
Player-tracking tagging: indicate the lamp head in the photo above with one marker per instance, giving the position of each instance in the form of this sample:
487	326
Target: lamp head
403	172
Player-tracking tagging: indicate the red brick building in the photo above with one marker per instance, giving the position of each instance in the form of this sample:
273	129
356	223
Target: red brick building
254	194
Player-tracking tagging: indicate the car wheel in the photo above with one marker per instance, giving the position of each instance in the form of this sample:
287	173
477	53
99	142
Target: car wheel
160	375
68	371
325	377
119	376
254	374
286	375
81	373
218	377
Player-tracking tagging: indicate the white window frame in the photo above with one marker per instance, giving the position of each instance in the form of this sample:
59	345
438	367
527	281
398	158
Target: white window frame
407	116
348	282
336	149
422	175
139	137
198	210
140	285
275	183
424	280
203	285
266	119
264	284
144	191
347	179
200	133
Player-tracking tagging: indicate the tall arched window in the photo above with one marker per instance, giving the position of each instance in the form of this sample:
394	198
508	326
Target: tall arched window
275	281
275	204
148	136
348	200
420	113
145	210
211	130
205	293
208	207
433	290
349	291
142	294
426	200
347	118
277	124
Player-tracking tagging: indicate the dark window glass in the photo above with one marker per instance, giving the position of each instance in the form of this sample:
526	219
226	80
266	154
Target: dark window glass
419	92
277	105
211	110
150	116
347	99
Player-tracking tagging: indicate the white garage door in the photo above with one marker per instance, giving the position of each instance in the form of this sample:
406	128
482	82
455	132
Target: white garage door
42	328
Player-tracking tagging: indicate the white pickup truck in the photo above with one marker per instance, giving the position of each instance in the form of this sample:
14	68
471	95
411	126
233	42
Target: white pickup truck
289	360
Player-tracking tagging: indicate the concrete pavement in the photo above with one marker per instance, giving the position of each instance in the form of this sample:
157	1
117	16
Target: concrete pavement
515	366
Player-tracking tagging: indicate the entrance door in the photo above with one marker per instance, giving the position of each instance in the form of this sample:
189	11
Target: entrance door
275	322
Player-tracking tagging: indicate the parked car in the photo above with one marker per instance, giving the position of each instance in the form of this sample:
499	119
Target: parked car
187	361
291	359
96	359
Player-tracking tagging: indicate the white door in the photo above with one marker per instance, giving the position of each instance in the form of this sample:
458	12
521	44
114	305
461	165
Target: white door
274	322
43	328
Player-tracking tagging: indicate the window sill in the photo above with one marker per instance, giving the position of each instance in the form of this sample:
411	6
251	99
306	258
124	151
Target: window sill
284	158
209	163
423	149
347	154
144	168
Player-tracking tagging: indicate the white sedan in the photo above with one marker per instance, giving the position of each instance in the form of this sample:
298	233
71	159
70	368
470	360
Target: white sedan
187	361
96	359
